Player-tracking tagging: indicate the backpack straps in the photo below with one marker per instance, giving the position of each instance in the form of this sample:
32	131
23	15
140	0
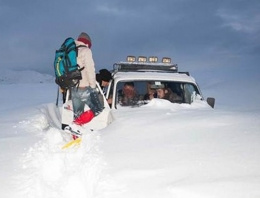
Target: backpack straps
77	47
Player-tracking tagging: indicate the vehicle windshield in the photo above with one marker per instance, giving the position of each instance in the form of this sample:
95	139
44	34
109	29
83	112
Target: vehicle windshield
136	93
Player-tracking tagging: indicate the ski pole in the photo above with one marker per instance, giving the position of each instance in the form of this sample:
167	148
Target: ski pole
57	99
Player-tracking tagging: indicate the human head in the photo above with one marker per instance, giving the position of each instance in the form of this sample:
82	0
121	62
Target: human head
103	77
161	89
85	38
161	92
129	90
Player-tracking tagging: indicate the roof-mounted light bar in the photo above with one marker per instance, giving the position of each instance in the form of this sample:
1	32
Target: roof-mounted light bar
142	59
166	60
130	58
153	59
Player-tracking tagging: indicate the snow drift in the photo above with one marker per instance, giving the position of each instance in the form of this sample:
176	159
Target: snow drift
158	150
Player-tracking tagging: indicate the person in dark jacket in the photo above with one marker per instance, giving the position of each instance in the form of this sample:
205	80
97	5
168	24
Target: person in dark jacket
103	78
128	96
164	92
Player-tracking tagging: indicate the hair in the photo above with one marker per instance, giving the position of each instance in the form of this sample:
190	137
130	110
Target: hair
105	75
129	84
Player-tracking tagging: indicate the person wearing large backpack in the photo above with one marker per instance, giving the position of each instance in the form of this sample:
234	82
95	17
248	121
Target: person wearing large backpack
85	92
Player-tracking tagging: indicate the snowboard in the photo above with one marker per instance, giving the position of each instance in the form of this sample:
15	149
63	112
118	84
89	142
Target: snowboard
72	143
77	138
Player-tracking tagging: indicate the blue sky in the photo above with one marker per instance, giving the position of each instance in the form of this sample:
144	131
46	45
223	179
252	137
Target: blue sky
204	37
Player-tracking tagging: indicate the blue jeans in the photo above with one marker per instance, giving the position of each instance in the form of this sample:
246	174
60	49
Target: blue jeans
86	96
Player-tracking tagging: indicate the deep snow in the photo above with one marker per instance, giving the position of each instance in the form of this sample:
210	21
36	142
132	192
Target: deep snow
158	150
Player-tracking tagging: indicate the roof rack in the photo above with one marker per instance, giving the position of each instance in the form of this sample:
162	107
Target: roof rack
143	67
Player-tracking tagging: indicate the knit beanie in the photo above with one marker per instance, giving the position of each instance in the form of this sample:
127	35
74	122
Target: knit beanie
105	75
84	37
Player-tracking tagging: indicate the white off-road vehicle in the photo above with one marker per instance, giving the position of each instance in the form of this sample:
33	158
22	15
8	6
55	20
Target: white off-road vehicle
147	78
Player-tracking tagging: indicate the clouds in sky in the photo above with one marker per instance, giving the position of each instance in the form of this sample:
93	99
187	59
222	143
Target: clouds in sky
197	34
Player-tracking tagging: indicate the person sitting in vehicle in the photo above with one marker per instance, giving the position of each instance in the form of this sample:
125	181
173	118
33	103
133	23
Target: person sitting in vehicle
128	95
166	93
151	93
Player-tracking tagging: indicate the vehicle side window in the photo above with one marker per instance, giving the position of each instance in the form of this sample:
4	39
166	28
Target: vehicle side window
177	89
100	96
118	93
109	90
189	90
109	93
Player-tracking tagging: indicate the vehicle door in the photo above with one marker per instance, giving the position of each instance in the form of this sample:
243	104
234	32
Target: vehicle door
98	122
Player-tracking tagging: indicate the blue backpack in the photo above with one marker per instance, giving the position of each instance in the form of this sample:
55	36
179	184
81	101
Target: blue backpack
67	71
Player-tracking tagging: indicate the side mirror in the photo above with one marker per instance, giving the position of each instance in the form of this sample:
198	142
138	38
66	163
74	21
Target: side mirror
211	102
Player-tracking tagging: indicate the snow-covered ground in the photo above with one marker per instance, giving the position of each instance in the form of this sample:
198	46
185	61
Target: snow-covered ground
158	150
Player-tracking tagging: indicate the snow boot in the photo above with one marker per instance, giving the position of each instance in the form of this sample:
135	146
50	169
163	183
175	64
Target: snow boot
84	118
75	130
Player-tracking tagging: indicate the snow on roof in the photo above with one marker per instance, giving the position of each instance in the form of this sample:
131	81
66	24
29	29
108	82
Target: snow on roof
119	76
